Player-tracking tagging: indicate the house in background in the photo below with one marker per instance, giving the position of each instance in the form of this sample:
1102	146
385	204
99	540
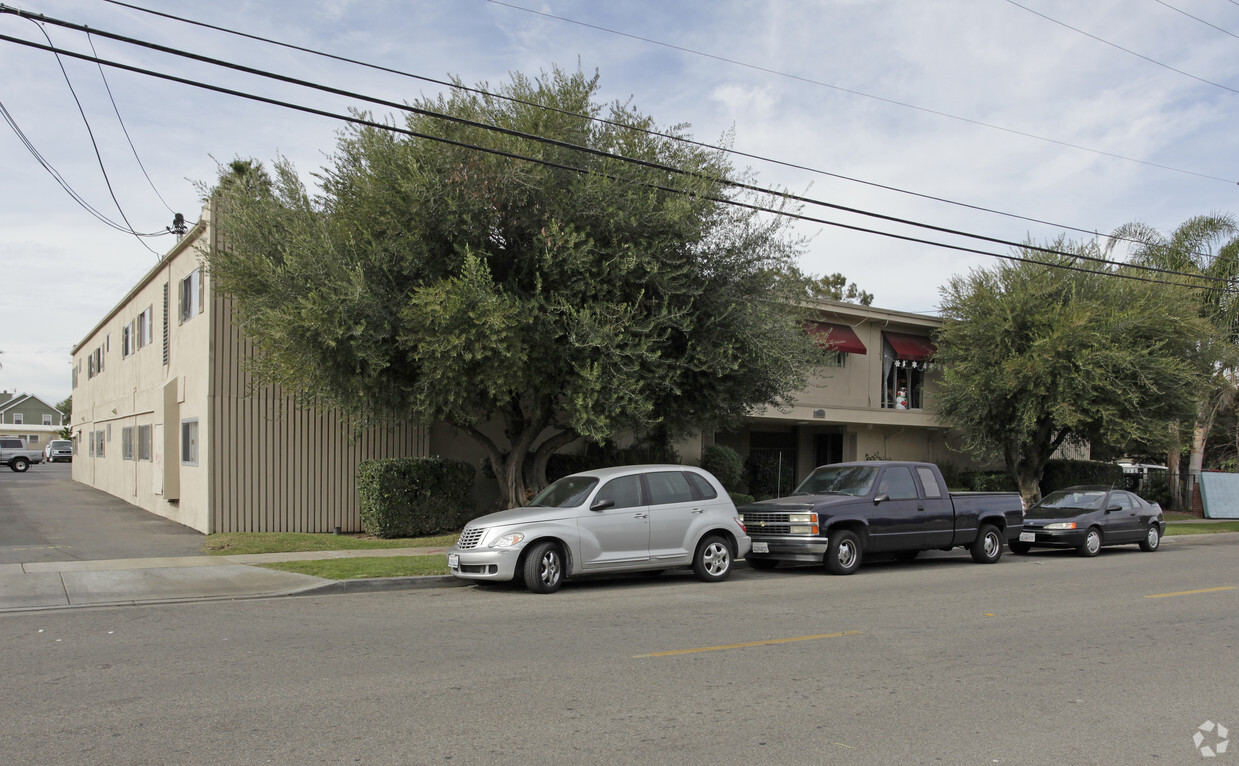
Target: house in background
166	417
29	418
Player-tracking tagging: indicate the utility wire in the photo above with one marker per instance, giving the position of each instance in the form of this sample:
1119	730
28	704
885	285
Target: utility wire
854	92
1197	18
125	130
358	120
612	123
1128	51
597	152
94	144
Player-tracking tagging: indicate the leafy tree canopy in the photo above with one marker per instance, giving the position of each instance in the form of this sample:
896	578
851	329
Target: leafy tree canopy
836	287
1033	356
579	296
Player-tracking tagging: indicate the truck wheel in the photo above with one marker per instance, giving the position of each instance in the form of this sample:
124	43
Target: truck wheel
1152	539
764	564
712	561
1017	547
20	464
544	568
1092	543
987	548
843	554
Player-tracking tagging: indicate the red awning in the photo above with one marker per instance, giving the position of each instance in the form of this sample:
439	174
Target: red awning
838	337
914	347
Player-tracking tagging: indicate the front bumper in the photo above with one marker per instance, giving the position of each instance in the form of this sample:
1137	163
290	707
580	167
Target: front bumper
494	564
1056	538
809	550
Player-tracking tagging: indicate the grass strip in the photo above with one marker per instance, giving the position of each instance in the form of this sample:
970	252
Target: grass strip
231	543
1203	528
366	567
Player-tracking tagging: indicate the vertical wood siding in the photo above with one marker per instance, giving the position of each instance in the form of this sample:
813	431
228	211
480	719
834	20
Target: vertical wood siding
276	467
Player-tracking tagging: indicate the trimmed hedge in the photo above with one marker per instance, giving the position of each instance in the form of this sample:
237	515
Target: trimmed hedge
725	464
414	497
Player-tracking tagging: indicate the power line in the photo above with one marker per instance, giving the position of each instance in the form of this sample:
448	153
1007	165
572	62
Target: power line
1197	18
357	120
855	92
106	180
566	145
1129	51
125	130
612	123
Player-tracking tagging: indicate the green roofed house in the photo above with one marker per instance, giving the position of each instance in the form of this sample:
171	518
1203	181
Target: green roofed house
29	418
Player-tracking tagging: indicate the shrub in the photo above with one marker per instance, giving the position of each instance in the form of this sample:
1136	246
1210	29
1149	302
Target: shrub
762	474
1060	474
412	497
725	464
740	498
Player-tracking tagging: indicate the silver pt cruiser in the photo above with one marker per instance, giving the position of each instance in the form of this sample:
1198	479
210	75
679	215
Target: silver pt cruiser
629	518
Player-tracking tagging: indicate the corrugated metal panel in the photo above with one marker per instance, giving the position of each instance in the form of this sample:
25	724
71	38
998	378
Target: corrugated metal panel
277	467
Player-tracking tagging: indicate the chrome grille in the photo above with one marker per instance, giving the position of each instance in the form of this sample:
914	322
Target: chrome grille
766	523
470	537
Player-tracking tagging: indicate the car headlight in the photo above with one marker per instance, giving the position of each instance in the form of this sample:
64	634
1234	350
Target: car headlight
1061	525
508	540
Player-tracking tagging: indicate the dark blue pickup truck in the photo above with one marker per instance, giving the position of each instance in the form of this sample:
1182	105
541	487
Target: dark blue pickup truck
846	510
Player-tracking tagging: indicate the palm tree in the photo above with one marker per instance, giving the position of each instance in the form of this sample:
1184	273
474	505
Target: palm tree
1207	247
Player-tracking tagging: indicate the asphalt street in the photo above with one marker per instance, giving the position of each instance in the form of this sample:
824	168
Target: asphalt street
1040	659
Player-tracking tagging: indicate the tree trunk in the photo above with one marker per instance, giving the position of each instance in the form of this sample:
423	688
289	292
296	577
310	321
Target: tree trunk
1172	478
537	471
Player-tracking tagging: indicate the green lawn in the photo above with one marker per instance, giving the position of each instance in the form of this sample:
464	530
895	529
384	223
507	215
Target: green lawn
367	567
229	543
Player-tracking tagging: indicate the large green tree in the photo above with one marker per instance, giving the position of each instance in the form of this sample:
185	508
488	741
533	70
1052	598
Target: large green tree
1033	356
1204	253
529	304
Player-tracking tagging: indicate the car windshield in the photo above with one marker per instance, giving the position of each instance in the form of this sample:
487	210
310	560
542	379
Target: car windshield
1087	500
60	444
839	480
568	492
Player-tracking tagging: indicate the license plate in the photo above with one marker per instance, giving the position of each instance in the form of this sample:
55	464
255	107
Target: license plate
761	548
453	561
1028	537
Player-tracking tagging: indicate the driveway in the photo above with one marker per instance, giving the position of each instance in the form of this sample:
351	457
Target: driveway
46	516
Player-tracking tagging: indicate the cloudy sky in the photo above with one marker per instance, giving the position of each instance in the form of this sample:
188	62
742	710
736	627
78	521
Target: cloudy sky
1064	116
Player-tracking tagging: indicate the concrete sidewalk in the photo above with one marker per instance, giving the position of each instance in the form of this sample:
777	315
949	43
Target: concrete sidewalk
68	584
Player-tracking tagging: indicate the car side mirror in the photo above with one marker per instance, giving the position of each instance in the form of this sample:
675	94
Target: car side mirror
1113	508
602	505
881	498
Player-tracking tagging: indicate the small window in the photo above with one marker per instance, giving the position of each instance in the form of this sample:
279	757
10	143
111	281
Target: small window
127	340
144	442
144	328
625	491
17	418
189	442
705	490
47	419
126	443
98	443
929	482
668	487
32	439
191	295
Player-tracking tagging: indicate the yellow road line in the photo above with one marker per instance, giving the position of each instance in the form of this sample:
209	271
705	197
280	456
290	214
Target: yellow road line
770	642
1192	592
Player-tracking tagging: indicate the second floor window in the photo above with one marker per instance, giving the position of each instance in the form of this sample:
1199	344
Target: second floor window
191	295
905	359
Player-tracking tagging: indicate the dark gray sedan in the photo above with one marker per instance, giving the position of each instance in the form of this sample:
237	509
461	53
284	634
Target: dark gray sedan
1086	518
